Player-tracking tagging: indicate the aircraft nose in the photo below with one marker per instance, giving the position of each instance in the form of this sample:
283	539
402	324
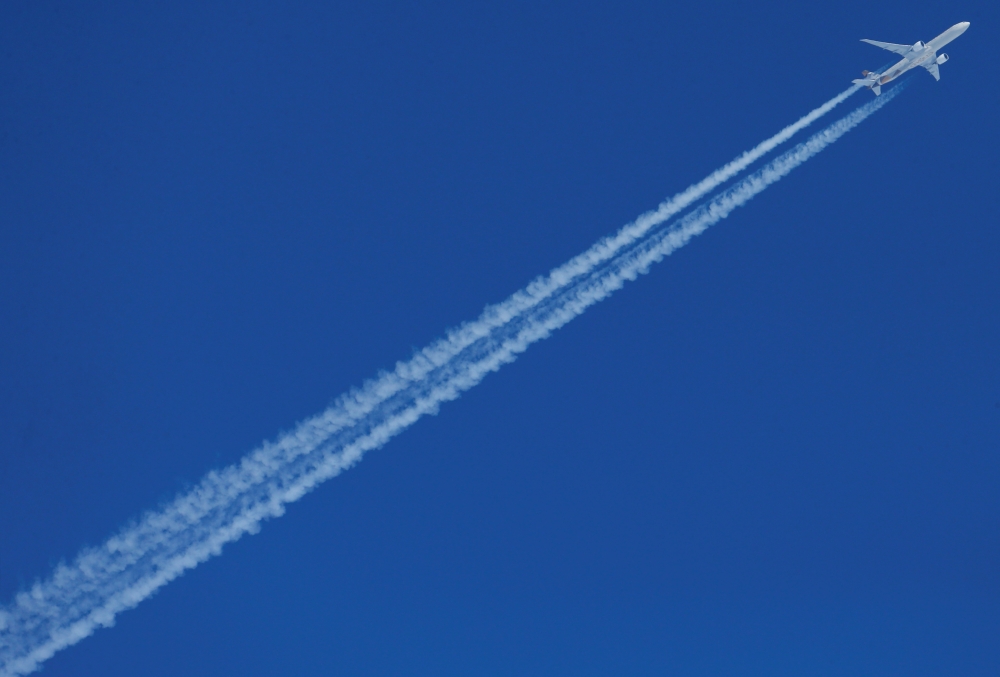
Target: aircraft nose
962	26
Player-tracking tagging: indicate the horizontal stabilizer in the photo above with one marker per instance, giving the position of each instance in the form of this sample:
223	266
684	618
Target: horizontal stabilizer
898	49
870	84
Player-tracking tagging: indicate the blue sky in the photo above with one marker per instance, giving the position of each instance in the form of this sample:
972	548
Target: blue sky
775	454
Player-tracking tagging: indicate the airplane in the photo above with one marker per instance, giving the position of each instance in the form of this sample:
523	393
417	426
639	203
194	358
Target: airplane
918	54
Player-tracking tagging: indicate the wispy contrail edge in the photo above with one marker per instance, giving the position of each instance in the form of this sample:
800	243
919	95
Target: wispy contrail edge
574	301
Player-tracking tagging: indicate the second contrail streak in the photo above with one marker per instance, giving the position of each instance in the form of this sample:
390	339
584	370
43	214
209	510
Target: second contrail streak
131	566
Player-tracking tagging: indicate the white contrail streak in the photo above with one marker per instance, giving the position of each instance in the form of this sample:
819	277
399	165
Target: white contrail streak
103	581
217	492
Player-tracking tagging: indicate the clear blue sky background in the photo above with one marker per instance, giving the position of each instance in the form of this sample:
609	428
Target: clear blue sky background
777	454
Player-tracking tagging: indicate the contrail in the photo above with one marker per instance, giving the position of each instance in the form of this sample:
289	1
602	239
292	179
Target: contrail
143	541
103	581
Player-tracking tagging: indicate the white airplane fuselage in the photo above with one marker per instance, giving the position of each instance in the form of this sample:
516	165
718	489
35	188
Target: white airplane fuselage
917	55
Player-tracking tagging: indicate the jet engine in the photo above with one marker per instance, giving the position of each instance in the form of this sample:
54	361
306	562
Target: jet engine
941	59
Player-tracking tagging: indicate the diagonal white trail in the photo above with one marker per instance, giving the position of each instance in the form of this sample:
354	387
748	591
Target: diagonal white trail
104	581
218	490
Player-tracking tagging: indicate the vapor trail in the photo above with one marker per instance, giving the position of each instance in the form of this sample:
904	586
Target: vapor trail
212	499
104	581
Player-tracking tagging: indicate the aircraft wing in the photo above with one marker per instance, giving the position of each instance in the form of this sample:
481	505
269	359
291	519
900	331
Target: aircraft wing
898	49
932	68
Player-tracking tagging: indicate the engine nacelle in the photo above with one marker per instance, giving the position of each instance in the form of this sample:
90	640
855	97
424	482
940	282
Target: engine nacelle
917	46
941	59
